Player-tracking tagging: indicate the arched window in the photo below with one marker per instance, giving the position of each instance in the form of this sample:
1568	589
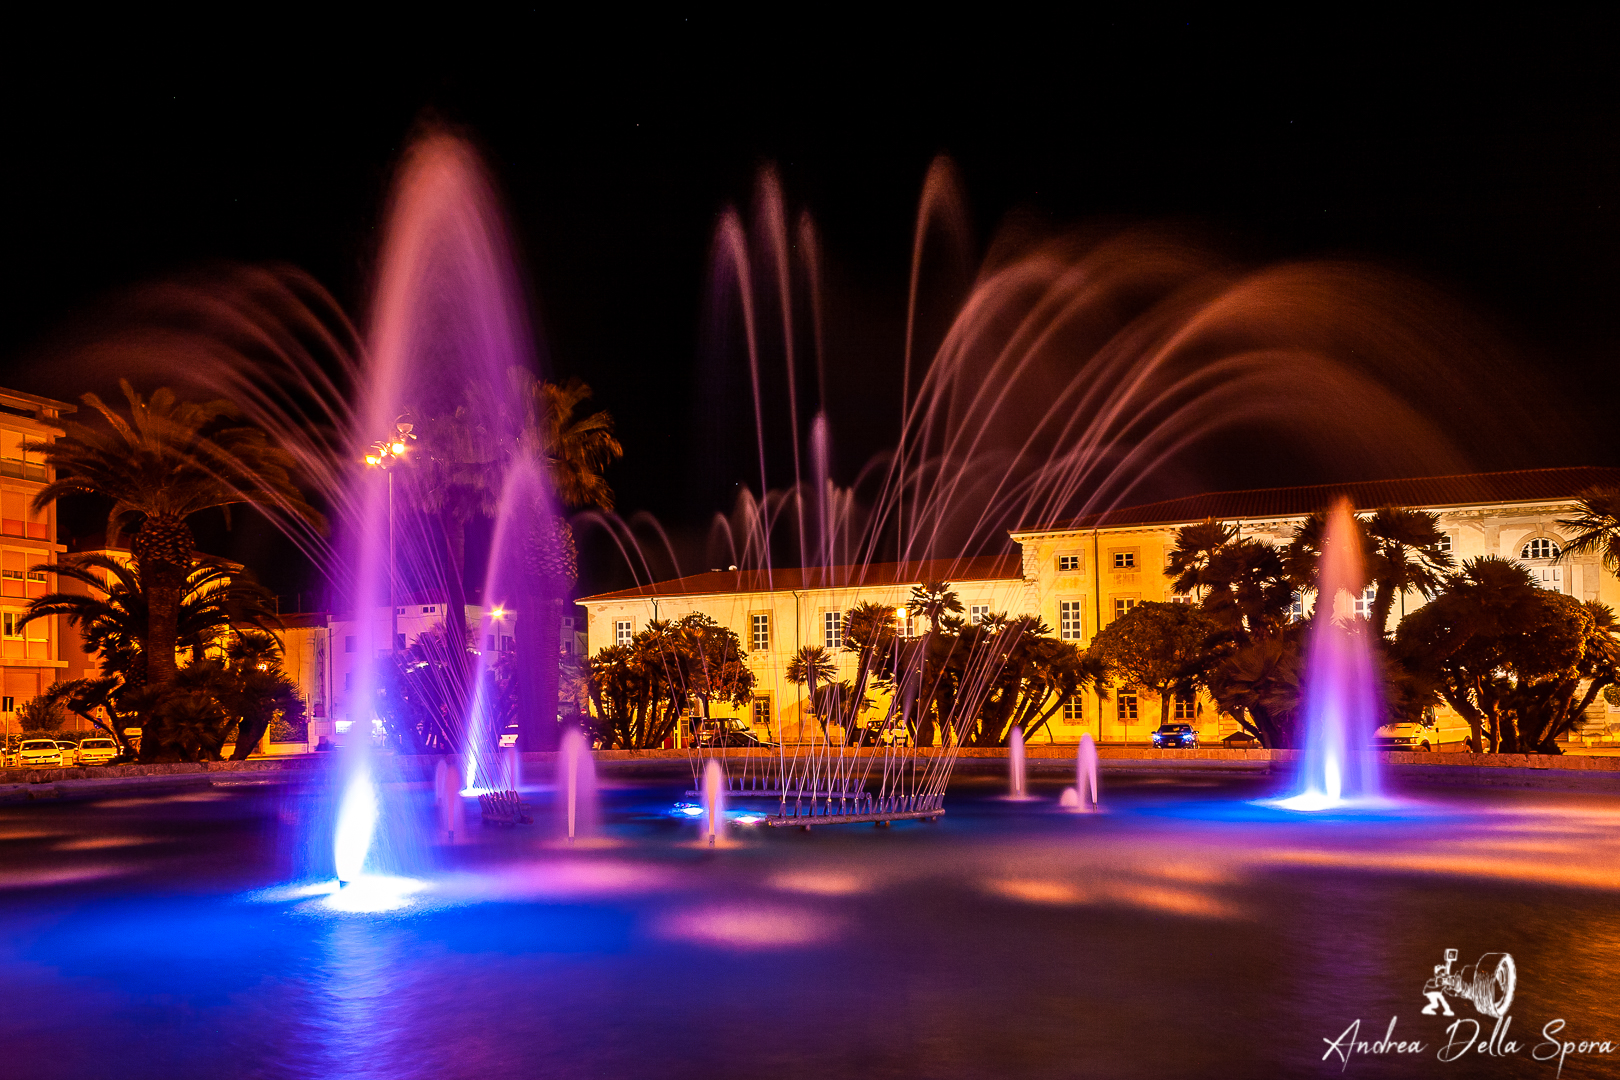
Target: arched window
1539	548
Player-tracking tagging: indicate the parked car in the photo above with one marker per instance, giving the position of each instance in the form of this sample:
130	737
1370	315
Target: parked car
39	754
508	737
874	735
1240	740
70	751
97	751
1175	737
725	732
1406	735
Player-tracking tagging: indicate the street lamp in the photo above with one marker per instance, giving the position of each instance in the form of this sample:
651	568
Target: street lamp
384	455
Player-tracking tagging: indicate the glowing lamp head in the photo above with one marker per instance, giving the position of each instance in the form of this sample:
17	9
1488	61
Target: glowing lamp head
498	613
373	460
397	448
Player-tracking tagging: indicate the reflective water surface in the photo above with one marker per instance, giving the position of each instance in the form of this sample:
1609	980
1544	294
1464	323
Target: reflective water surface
1182	931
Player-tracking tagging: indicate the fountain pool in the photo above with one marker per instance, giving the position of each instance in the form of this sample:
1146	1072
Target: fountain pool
1189	931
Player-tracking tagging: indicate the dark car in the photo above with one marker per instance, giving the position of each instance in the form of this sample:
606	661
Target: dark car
724	733
1175	736
1241	740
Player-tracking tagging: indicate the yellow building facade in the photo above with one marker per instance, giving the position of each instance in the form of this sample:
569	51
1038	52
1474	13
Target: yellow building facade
1079	576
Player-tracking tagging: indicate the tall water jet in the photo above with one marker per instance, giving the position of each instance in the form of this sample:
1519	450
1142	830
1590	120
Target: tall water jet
1341	701
357	820
714	801
1017	786
1085	774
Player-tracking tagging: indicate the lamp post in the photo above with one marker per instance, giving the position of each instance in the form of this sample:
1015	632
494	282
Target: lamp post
385	455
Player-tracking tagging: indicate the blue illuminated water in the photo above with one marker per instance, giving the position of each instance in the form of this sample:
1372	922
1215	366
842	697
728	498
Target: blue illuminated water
1185	930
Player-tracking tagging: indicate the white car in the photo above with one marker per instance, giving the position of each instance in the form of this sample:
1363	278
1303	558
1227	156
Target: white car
39	754
97	751
1405	735
70	752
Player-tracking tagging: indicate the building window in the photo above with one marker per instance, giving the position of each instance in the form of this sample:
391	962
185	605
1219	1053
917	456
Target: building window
1124	560
1539	548
431	610
832	629
399	611
1074	711
977	613
761	636
1186	707
348	680
761	712
1068	564
1069	614
1181	599
1125	706
12	575
508	643
399	642
905	623
36	575
623	631
1444	543
1123	605
349	643
13	624
1296	607
1364	602
1549	577
489	642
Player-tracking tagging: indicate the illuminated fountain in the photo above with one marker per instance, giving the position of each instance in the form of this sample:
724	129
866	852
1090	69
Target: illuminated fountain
576	785
714	802
1087	795
1340	705
1017	780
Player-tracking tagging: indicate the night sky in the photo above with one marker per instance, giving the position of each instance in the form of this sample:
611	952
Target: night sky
1481	159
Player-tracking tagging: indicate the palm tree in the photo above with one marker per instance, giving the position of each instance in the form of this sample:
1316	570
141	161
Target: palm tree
215	600
1598	525
1194	549
164	462
573	446
1406	557
813	665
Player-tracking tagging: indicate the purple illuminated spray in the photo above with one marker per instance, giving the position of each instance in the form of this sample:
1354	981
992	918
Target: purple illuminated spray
447	329
1341	705
1017	785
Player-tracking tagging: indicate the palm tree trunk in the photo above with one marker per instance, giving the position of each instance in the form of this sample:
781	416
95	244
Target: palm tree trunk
163	626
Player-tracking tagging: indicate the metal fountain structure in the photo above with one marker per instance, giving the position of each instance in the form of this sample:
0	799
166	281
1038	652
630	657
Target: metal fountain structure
827	781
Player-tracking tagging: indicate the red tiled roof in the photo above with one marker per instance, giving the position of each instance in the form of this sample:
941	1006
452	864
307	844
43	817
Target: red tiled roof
979	568
1427	492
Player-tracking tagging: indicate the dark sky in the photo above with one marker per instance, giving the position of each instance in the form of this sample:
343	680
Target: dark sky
1480	157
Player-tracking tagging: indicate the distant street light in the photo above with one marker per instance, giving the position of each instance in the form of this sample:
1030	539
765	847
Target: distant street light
385	454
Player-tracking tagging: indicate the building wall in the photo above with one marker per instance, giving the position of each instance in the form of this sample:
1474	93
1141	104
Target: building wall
1502	529
793	620
30	657
1077	581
